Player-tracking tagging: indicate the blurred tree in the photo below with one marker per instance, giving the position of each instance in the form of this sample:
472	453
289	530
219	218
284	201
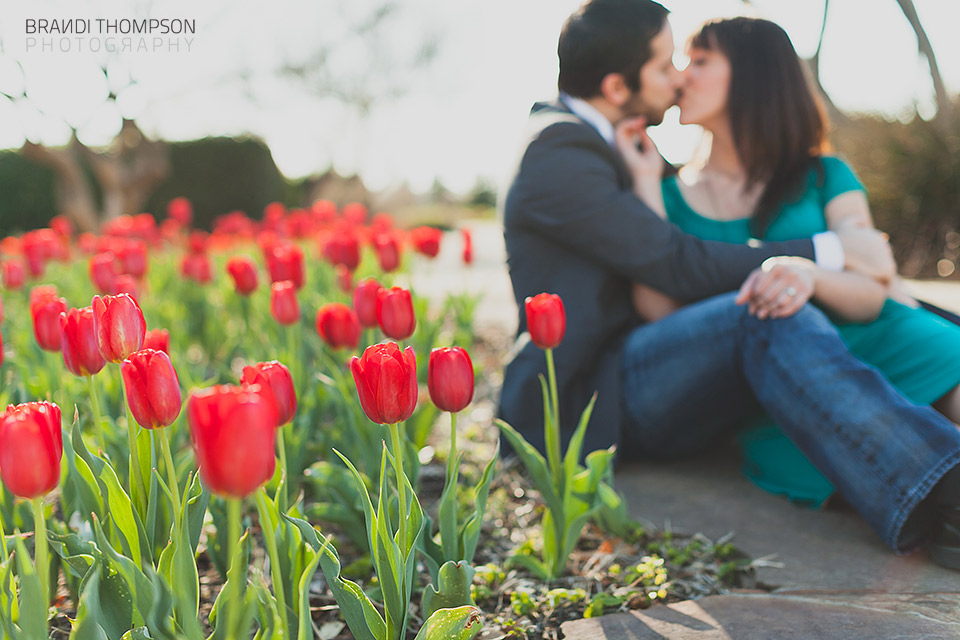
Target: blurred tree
98	183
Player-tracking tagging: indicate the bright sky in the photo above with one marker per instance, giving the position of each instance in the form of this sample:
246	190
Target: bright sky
459	120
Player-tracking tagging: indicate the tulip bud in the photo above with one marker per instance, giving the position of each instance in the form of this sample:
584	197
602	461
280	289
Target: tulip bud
181	210
388	251
426	240
450	378
467	246
338	325
119	325
132	256
196	266
103	272
31	446
127	284
285	262
234	437
276	382
365	301
344	278
395	313
153	390
78	341
14	274
45	309
158	339
244	274
283	303
386	380
546	319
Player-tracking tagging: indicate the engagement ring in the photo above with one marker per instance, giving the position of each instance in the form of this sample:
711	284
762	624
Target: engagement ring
790	291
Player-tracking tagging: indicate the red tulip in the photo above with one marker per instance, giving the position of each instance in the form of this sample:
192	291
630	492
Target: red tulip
275	381
244	274
78	341
62	226
45	309
355	213
158	339
386	380
132	256
285	262
153	389
181	210
546	319
31	446
388	251
342	247
103	272
450	378
365	301
119	325
129	285
395	313
283	302
14	274
1	310
467	246
197	242
338	325
1	348
344	278
234	437
196	266
426	240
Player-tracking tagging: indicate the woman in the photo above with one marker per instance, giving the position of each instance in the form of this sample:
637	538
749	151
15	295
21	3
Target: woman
767	175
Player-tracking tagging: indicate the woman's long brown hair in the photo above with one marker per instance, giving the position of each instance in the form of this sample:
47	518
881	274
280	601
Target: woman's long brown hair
778	123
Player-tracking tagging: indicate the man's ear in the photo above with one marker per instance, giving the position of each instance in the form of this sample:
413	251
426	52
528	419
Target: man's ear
614	89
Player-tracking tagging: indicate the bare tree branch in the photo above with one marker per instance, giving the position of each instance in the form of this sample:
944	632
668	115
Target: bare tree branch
945	111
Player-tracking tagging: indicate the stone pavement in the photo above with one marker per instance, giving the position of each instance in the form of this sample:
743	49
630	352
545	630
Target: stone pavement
830	575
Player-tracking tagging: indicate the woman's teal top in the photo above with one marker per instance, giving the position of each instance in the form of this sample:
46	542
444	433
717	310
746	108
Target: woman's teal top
916	350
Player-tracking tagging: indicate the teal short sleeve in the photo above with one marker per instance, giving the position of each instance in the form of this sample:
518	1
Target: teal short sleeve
838	178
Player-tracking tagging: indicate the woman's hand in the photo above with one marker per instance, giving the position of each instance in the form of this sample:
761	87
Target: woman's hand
779	288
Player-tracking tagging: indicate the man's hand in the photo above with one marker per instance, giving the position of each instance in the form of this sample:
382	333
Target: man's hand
645	161
779	288
867	251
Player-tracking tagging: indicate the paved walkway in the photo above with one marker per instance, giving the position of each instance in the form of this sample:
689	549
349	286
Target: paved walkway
831	576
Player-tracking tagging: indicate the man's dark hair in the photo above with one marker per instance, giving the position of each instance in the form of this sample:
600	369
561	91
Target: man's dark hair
603	37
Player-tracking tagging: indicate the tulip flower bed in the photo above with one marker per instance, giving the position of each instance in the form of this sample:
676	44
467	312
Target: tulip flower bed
240	435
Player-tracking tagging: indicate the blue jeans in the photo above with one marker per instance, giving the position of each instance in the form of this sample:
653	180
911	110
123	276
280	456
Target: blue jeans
694	377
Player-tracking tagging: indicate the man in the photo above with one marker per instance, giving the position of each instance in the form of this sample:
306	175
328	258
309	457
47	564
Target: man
573	226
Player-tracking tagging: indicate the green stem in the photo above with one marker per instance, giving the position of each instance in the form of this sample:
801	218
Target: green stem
136	479
234	518
452	459
284	471
269	538
97	420
401	488
40	549
171	479
553	453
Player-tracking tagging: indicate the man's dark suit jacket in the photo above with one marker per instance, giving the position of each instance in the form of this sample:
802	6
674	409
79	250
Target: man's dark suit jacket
573	227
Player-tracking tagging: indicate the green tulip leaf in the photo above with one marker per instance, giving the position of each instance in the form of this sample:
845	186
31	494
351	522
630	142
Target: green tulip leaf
454	583
531	564
572	458
33	602
470	530
447	513
140	633
461	623
131	590
78	555
86	626
535	464
361	615
305	631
